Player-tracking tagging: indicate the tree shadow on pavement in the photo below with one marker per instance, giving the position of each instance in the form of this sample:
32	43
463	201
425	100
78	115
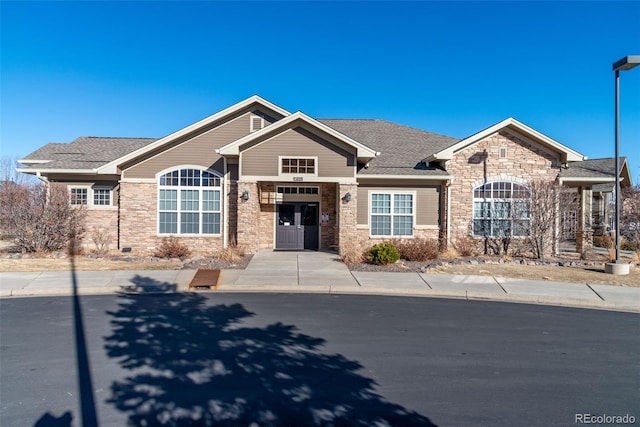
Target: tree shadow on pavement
195	364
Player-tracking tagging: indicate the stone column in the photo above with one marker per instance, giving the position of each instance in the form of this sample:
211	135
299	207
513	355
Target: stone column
248	217
584	232
347	219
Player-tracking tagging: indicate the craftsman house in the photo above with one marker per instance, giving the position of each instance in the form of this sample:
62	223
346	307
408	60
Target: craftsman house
266	178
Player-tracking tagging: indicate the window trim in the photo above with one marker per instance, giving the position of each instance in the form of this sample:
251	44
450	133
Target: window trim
101	187
393	193
91	194
298	174
491	200
178	188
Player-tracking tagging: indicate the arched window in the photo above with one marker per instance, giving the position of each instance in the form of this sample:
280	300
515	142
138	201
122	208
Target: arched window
500	209
189	202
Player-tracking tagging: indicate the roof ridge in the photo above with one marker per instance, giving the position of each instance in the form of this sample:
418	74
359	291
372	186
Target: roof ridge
115	137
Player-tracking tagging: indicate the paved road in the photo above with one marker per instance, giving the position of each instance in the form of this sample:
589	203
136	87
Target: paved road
308	359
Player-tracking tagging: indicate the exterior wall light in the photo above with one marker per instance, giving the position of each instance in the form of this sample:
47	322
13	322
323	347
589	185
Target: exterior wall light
245	195
347	197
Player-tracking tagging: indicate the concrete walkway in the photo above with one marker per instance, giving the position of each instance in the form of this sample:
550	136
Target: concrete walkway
321	272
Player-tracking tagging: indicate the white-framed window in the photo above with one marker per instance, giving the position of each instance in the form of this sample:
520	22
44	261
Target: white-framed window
189	202
500	209
392	214
79	195
90	196
101	196
290	165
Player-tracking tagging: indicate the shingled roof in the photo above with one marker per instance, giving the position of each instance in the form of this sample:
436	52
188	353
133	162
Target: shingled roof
401	147
592	168
85	152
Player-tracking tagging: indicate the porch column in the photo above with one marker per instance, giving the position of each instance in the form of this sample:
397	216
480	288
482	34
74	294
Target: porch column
584	232
248	217
347	219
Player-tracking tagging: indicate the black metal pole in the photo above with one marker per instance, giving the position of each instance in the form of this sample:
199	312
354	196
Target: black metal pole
617	166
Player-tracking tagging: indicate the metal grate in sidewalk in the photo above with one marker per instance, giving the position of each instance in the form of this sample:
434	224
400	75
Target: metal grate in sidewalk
204	279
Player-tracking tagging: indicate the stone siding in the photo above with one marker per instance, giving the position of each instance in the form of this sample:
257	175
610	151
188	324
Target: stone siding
138	221
102	228
248	217
329	230
524	162
347	216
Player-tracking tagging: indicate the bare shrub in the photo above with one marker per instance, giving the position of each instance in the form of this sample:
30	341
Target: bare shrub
231	253
101	238
465	246
542	210
417	249
170	247
603	242
41	218
353	252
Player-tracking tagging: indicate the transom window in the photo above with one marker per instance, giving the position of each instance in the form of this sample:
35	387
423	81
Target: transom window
500	209
298	190
392	214
189	202
298	166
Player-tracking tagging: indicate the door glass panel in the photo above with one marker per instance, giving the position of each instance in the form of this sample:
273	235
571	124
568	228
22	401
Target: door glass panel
286	214
309	215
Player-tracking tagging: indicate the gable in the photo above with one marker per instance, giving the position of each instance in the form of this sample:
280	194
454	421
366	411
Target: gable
565	154
262	158
250	104
199	149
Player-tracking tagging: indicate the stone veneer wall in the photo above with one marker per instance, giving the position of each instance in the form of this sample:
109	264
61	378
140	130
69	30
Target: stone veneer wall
248	217
101	224
422	233
480	163
138	222
347	218
266	219
329	230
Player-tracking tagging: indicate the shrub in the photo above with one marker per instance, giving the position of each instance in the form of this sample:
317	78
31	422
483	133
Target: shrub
603	242
353	253
101	238
383	254
41	218
465	246
231	253
170	247
417	249
628	245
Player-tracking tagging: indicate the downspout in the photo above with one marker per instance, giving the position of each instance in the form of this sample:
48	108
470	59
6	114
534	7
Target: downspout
448	185
225	232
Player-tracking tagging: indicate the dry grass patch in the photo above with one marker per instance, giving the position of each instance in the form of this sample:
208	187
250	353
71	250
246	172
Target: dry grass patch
578	274
83	264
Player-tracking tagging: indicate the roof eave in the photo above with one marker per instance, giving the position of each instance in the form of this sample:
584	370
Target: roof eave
34	171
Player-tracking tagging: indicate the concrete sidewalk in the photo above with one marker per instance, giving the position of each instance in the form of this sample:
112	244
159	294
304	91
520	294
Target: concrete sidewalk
321	272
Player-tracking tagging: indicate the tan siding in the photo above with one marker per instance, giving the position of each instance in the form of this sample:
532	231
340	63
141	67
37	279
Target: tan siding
263	159
427	201
199	150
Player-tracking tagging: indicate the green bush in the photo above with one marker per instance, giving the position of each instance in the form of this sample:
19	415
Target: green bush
383	254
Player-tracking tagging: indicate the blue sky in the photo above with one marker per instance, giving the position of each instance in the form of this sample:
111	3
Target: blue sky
150	68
